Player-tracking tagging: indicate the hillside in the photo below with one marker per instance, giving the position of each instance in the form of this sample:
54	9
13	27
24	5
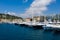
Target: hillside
7	16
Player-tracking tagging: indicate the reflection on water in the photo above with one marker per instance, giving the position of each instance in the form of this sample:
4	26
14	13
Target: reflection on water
12	32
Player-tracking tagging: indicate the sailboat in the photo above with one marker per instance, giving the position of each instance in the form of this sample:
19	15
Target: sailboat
52	25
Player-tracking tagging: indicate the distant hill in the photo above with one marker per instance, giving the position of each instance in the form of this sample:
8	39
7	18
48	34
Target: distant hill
7	16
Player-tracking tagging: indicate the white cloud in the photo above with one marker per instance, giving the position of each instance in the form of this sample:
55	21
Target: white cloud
11	13
37	7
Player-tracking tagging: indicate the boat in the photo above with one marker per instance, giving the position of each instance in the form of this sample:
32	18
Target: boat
52	26
37	25
24	24
32	24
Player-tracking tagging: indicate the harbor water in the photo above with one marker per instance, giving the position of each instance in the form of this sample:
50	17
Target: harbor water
16	32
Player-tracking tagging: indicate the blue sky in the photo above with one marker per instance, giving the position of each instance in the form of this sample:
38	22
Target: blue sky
16	6
20	6
54	8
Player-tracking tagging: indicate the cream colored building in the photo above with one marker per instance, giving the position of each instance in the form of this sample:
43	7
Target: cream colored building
28	20
39	18
17	20
9	20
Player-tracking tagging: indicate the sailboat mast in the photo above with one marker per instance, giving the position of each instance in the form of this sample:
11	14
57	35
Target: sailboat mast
5	16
